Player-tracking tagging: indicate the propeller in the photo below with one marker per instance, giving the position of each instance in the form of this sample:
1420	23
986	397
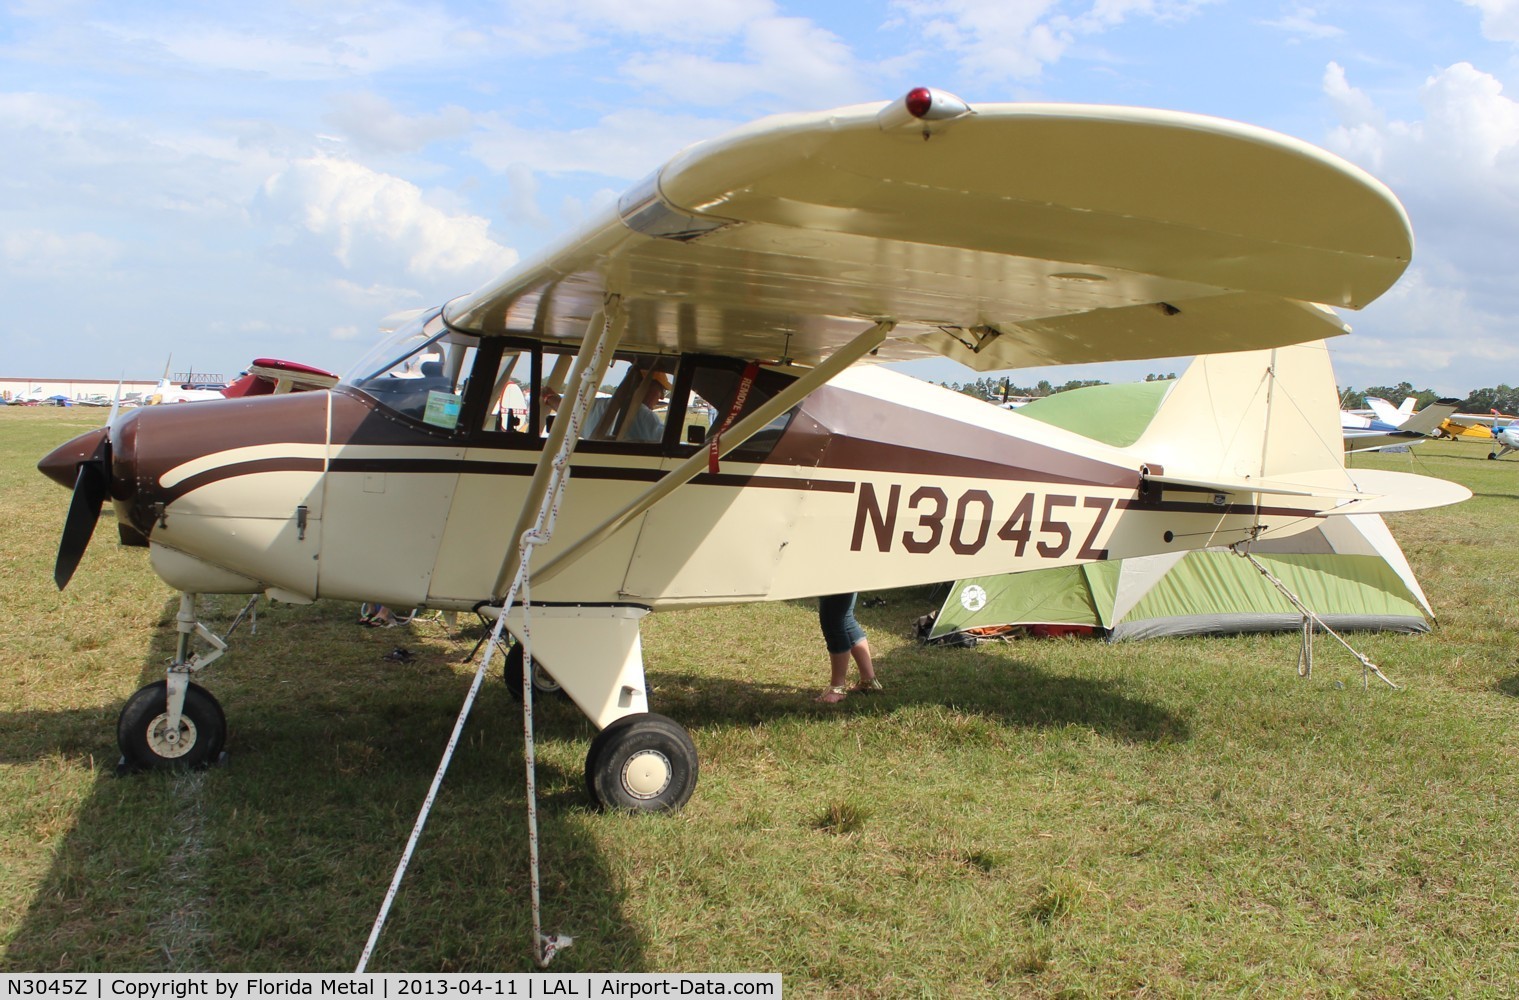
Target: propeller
91	484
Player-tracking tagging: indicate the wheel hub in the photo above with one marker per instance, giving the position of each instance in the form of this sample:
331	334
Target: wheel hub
646	774
169	744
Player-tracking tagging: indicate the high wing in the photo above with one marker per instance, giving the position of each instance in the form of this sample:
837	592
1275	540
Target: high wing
1010	235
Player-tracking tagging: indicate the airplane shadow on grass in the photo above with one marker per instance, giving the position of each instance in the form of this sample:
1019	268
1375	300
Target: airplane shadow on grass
279	860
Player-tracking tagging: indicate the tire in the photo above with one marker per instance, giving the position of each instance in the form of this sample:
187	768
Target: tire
641	763
543	682
139	730
1492	456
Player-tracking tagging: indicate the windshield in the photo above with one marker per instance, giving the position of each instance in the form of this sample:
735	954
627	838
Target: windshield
418	371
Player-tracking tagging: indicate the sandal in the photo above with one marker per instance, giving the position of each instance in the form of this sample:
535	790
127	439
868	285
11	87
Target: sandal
833	695
871	686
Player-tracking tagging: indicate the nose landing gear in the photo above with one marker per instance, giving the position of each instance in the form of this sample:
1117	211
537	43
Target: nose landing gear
173	723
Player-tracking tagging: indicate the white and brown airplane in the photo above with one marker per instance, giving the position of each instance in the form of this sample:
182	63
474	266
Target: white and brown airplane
751	273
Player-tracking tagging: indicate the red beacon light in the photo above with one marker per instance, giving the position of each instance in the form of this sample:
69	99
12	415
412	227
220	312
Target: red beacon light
920	106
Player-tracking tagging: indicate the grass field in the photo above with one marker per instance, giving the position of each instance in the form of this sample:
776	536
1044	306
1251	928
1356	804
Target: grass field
1178	817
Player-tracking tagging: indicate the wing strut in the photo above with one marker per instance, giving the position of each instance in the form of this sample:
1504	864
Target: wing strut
606	326
735	436
538	517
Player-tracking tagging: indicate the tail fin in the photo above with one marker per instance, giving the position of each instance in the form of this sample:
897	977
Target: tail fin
1267	423
1249	415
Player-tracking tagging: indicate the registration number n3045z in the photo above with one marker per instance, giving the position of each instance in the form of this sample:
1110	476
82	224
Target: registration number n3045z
966	522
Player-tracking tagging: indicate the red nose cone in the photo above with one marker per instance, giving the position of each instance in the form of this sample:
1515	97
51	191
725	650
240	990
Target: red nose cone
61	465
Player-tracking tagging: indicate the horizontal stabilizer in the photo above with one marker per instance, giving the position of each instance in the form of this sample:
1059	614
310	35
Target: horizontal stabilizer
1357	491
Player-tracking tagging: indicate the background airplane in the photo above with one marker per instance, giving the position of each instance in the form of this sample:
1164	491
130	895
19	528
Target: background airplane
1505	435
1394	428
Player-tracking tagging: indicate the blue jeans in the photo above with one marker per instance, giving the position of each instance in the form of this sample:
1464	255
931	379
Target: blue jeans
836	617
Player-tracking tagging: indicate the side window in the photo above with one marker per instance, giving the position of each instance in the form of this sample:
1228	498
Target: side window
509	380
632	404
715	387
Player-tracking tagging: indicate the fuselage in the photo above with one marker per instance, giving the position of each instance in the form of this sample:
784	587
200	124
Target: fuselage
371	492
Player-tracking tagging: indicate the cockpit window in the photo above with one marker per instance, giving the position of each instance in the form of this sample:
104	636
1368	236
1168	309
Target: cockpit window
419	371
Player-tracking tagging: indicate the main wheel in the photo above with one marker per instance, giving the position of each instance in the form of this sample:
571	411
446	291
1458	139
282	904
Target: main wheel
641	763
142	729
1493	455
511	672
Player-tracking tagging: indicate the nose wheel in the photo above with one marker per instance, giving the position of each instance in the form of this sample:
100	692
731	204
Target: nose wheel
641	763
148	743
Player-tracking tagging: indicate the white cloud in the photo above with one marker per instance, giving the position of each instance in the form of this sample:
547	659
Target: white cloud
374	223
1455	314
1465	145
1303	22
1500	18
298	41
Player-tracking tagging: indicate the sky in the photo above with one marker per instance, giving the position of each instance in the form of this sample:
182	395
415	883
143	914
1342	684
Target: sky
218	182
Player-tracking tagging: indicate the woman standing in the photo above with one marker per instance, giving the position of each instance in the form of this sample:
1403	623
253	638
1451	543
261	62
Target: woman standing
846	641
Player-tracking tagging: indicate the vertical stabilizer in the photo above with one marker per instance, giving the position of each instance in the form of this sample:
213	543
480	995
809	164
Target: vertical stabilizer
1252	414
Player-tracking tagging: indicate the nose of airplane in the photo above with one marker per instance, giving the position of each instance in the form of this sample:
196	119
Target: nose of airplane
61	465
85	464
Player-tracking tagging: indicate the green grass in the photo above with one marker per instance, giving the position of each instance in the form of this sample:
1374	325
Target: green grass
1057	818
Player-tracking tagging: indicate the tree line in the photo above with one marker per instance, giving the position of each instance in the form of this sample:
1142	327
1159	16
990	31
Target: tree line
1503	398
997	390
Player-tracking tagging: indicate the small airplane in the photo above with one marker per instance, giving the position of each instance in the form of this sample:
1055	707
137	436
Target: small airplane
759	275
1506	435
1392	428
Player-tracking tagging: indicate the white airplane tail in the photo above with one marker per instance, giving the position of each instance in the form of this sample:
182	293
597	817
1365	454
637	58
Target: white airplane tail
1268	423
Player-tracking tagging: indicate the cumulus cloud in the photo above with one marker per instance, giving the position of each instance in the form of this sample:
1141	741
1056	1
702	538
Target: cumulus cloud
1500	18
376	223
1465	144
1456	169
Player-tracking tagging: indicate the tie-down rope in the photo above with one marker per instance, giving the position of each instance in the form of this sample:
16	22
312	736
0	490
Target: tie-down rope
1305	651
542	531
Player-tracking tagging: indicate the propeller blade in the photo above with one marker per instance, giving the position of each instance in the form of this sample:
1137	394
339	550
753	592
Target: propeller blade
90	488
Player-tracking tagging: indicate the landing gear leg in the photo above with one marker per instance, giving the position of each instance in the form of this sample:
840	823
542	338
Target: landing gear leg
173	723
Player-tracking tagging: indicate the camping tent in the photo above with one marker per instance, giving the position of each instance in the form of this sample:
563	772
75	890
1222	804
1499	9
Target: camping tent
1349	571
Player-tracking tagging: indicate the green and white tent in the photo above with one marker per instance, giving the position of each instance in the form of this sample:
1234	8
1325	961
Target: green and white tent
1349	571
